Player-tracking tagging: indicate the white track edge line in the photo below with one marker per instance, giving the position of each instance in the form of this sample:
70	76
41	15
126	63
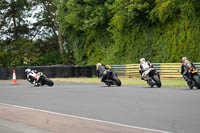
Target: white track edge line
84	118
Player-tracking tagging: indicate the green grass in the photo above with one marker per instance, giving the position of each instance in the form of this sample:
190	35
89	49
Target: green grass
127	81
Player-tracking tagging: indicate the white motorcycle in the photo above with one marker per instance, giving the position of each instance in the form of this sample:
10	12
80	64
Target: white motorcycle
40	79
152	77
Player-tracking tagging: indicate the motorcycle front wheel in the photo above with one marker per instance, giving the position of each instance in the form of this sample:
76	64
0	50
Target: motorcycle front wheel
117	80
48	82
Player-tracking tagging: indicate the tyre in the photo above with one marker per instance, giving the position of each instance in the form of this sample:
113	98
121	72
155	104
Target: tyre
157	80
48	82
117	80
197	81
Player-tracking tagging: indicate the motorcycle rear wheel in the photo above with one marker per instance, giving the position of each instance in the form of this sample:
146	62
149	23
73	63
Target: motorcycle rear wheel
157	80
117	80
197	81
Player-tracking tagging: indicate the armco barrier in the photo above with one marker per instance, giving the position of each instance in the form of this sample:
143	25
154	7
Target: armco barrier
65	71
166	69
170	70
57	71
77	72
4	73
119	69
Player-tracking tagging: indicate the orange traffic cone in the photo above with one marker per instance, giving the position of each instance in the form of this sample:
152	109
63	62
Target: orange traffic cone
14	81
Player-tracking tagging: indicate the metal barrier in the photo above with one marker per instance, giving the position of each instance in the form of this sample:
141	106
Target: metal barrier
169	70
64	71
56	71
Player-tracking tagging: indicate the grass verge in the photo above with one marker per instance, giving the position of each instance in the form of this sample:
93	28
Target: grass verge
127	81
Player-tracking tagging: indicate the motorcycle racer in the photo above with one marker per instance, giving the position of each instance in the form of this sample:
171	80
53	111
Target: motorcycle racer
106	75
32	76
144	66
101	71
186	69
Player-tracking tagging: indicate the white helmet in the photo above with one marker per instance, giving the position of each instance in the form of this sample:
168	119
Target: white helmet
97	65
27	70
142	60
184	58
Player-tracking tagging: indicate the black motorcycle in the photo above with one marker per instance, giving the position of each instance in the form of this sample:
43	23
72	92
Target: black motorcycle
153	78
41	80
194	79
111	78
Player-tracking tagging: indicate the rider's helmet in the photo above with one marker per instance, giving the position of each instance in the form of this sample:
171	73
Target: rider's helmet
184	59
28	70
142	60
97	65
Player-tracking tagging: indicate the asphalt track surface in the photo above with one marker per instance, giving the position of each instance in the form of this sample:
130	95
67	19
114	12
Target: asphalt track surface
172	109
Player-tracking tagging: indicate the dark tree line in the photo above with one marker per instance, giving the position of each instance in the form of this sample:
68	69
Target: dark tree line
43	32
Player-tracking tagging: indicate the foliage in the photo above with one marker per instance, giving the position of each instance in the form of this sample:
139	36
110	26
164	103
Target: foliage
91	31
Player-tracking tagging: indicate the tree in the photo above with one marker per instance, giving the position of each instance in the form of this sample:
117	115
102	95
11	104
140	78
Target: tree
13	24
47	20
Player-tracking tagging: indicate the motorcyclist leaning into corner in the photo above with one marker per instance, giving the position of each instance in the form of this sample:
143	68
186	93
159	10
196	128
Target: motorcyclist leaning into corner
101	71
185	68
144	66
32	76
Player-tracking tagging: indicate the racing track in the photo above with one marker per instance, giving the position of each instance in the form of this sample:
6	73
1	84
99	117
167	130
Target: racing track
172	109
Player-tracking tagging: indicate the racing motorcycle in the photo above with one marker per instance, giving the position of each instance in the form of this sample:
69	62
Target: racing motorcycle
40	79
111	78
194	79
153	78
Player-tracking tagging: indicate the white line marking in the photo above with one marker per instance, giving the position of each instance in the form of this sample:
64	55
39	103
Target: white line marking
84	118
